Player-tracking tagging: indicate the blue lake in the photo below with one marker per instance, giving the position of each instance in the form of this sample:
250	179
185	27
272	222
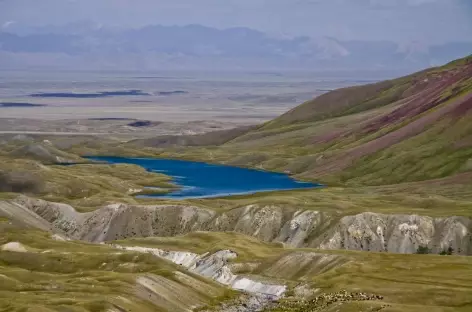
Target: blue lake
202	180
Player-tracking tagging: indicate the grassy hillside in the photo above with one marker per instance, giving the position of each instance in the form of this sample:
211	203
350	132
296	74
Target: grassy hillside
414	128
86	186
407	282
357	99
205	139
53	275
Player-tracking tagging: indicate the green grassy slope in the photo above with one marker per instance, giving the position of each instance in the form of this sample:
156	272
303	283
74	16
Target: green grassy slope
407	282
205	139
414	128
357	99
74	276
343	101
85	186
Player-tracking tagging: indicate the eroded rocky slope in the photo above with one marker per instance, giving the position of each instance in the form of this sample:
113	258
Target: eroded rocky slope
400	233
215	266
295	228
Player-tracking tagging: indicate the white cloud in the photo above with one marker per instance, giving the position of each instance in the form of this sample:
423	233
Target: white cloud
7	24
421	2
403	3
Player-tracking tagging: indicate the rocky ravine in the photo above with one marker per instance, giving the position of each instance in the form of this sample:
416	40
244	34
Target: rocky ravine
365	231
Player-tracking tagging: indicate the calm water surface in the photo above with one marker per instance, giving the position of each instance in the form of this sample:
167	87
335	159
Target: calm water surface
200	180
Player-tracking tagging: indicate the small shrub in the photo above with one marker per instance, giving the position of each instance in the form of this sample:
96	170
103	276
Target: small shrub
290	292
447	252
423	250
450	251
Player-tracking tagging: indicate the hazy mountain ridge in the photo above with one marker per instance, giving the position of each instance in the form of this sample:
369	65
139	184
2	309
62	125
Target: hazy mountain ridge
201	47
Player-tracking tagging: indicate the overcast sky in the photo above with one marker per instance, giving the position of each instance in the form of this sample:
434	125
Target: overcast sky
428	21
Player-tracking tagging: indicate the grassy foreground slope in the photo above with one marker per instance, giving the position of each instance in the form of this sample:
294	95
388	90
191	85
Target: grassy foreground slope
46	274
407	282
55	275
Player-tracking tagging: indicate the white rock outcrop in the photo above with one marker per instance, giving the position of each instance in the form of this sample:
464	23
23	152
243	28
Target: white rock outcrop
295	228
400	233
13	246
214	266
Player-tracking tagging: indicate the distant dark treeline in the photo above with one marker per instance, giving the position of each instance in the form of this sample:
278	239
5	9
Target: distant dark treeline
135	123
141	123
102	94
172	92
13	104
89	95
110	118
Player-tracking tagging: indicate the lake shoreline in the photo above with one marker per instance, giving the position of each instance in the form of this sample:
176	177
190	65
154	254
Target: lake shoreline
200	180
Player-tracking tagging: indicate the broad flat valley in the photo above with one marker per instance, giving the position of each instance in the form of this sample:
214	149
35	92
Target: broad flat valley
175	102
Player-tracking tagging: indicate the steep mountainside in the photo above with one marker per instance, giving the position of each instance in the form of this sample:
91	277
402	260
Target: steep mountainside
414	128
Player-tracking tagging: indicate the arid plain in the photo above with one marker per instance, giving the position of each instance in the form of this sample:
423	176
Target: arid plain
175	102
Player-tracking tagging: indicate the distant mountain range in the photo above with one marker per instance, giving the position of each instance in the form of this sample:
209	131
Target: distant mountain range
90	46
